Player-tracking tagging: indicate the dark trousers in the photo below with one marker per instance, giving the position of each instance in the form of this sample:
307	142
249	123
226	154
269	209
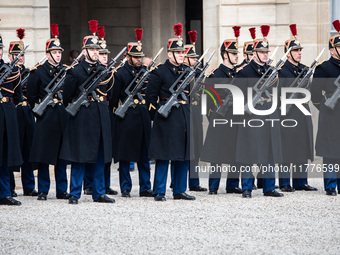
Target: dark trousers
179	180
299	175
60	177
88	178
4	176
332	176
193	174
27	176
232	178
143	171
96	171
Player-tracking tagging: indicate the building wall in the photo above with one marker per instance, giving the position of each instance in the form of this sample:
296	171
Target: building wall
311	16
34	17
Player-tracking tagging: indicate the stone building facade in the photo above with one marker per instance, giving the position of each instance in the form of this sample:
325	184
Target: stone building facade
212	18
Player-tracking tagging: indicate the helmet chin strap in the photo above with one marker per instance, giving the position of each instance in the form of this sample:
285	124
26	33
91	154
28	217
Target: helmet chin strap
229	58
55	62
337	52
290	53
260	60
88	55
189	61
173	54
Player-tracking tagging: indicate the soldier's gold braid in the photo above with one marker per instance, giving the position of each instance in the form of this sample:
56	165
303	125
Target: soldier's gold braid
107	80
12	77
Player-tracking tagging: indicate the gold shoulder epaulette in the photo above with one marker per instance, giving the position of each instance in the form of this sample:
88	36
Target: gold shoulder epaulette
34	67
240	68
320	63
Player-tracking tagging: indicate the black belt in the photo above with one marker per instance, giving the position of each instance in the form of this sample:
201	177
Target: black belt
7	100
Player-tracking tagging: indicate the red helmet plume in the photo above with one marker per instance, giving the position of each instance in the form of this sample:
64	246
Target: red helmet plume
21	33
93	24
139	34
55	30
193	36
293	29
253	32
178	29
336	24
265	30
101	32
237	31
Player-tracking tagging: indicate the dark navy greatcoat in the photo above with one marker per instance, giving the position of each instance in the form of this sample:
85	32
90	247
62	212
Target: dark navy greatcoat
328	136
128	132
91	124
170	139
9	133
297	142
196	134
253	143
49	128
25	118
220	142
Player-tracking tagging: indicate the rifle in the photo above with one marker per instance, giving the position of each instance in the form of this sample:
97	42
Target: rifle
301	81
189	74
199	79
90	85
6	70
264	83
26	73
142	75
333	100
270	60
52	88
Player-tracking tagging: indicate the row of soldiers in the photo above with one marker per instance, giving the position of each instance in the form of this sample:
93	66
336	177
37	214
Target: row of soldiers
90	136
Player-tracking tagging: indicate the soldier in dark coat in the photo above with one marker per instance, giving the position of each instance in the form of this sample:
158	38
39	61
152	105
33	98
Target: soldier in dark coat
49	129
10	153
247	54
26	121
328	136
258	145
88	135
196	135
103	59
170	139
131	134
297	142
220	143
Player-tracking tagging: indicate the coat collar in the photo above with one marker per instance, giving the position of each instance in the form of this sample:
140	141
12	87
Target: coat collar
87	66
51	69
294	69
228	72
131	69
335	61
260	70
174	69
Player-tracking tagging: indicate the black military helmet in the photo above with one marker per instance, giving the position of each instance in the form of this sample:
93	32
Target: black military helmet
293	43
16	47
176	44
334	41
92	41
135	49
54	43
262	44
248	47
102	42
231	45
189	49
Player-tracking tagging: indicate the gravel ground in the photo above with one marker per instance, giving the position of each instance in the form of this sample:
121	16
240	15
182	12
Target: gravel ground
299	223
